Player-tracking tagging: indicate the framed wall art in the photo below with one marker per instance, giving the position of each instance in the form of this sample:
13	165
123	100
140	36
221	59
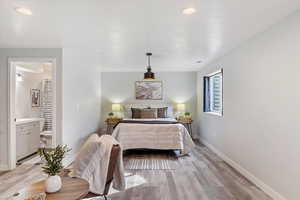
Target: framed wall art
35	97
148	90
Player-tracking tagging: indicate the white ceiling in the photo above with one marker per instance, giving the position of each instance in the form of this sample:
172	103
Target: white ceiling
120	32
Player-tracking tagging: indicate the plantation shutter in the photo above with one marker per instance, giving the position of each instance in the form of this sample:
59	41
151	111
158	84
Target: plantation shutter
216	99
212	93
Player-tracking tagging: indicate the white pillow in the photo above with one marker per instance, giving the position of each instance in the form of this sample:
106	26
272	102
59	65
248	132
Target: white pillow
170	113
127	111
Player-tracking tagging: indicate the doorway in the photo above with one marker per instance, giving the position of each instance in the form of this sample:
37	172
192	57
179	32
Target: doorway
32	110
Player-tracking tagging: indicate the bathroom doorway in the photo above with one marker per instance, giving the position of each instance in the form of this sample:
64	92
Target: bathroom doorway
32	110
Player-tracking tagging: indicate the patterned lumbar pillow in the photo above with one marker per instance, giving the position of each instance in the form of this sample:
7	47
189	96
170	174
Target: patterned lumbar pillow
162	112
149	113
136	113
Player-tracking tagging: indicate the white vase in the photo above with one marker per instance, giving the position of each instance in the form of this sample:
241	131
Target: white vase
53	184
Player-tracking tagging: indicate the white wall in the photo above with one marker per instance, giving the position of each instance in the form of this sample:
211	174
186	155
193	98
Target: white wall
81	96
178	87
260	127
23	98
5	53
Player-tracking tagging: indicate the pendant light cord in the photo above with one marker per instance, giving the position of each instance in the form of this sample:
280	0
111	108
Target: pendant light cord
149	61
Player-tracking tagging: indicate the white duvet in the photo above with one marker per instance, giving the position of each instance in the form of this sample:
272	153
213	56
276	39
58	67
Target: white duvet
153	136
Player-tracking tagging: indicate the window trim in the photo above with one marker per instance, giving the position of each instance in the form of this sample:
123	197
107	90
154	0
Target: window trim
214	73
214	113
220	114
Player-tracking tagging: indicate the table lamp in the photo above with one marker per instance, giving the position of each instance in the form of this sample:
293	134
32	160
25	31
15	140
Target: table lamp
116	108
181	107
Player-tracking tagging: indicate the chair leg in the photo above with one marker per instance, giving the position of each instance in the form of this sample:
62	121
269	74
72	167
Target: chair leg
101	197
106	198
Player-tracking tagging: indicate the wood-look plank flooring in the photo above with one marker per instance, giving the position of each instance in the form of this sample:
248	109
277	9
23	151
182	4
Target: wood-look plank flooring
200	176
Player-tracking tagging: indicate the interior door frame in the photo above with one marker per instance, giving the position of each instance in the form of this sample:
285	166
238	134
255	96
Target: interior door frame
12	154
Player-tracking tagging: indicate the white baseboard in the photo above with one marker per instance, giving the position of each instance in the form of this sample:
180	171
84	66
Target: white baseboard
68	160
3	167
259	183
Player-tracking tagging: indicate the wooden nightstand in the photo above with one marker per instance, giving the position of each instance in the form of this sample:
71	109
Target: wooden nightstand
187	122
110	124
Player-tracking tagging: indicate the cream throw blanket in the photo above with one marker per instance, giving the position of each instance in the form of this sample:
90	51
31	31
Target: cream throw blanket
92	163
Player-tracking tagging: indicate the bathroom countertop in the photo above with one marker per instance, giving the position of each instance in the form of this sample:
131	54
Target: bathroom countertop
27	120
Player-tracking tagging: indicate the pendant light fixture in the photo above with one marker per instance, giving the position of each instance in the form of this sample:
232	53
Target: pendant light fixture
149	75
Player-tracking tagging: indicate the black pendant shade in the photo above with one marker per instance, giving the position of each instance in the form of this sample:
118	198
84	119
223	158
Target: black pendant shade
149	75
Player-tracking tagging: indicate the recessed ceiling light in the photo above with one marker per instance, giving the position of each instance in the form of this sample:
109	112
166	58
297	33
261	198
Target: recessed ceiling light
24	11
188	11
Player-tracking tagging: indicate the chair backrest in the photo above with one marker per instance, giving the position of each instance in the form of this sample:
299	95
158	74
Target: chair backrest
111	166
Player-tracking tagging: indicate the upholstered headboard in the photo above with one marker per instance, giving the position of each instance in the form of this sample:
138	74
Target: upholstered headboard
128	114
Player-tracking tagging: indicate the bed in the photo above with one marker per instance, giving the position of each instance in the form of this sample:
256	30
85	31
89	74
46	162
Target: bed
153	133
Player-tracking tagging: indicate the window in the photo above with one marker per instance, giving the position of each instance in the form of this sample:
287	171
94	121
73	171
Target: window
213	93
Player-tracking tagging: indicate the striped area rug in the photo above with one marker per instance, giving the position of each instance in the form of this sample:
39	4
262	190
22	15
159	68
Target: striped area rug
151	160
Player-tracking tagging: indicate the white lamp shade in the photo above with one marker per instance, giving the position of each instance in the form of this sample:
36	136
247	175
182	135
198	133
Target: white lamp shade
180	107
116	107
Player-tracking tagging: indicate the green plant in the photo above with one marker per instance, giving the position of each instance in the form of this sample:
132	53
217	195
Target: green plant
53	159
111	114
187	114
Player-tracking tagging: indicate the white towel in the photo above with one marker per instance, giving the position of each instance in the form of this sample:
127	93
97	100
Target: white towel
92	163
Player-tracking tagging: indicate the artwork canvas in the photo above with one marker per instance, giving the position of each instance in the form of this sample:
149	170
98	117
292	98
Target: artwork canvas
35	97
148	90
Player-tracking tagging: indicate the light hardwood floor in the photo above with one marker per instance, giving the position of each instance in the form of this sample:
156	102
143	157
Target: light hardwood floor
200	176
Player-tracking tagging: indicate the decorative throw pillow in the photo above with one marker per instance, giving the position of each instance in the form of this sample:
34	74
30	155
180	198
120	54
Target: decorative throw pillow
149	113
162	112
136	113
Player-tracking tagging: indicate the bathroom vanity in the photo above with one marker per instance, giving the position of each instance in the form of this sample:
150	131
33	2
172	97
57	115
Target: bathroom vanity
28	136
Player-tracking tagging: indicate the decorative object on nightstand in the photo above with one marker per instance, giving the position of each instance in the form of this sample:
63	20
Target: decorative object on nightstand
187	114
110	115
110	124
187	122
